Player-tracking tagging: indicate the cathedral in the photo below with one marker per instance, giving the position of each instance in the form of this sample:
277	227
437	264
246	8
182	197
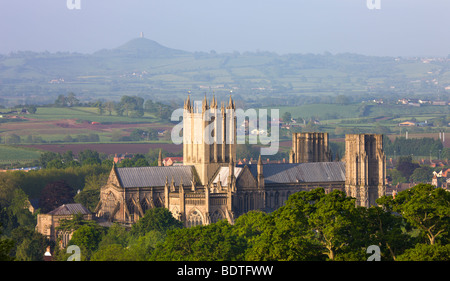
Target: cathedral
210	186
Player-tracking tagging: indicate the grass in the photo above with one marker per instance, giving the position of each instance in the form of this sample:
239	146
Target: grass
87	113
321	111
11	154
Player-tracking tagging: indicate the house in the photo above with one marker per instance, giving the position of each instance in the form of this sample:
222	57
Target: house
173	161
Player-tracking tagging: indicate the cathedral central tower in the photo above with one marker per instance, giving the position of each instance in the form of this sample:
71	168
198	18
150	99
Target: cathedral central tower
209	136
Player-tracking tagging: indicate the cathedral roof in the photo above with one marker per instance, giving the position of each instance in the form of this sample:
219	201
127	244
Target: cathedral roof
154	176
301	172
70	209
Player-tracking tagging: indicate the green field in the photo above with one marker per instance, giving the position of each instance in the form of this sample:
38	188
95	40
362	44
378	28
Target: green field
12	155
87	113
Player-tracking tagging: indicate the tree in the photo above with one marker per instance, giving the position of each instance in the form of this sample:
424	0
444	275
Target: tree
61	101
116	234
19	207
55	164
159	219
250	225
89	157
333	222
54	194
423	174
386	229
72	100
425	252
31	249
213	242
6	245
109	106
424	207
13	139
141	248
132	106
48	156
32	109
100	108
395	176
152	134
286	234
287	117
113	252
341	99
88	237
406	167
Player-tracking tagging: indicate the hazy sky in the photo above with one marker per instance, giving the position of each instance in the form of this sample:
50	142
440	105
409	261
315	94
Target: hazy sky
399	28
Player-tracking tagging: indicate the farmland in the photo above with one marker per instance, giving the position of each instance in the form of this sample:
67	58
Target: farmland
108	148
84	126
59	129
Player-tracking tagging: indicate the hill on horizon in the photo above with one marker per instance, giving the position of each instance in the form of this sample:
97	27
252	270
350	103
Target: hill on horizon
146	68
141	47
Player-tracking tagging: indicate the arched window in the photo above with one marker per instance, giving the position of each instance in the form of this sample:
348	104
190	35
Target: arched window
246	203
277	202
131	209
109	205
216	216
194	219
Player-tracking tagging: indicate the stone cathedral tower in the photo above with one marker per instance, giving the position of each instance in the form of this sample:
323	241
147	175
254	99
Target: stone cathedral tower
365	168
209	136
309	147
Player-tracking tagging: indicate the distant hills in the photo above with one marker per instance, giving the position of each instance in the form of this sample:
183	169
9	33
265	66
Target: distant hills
146	68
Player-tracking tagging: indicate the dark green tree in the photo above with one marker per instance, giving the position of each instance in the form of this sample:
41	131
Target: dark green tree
6	245
159	219
406	166
424	207
87	237
425	252
213	242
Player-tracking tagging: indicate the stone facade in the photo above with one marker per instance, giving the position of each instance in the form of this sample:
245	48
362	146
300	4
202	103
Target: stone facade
208	157
310	147
365	165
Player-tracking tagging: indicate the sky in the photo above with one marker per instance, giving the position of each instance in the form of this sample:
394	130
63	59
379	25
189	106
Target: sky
397	28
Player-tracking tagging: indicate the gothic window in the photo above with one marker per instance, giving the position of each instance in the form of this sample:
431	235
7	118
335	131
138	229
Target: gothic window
159	202
109	205
287	195
64	237
246	203
144	205
277	197
131	209
271	200
240	204
216	216
194	219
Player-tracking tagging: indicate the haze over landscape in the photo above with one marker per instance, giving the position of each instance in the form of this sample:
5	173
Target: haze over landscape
399	28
